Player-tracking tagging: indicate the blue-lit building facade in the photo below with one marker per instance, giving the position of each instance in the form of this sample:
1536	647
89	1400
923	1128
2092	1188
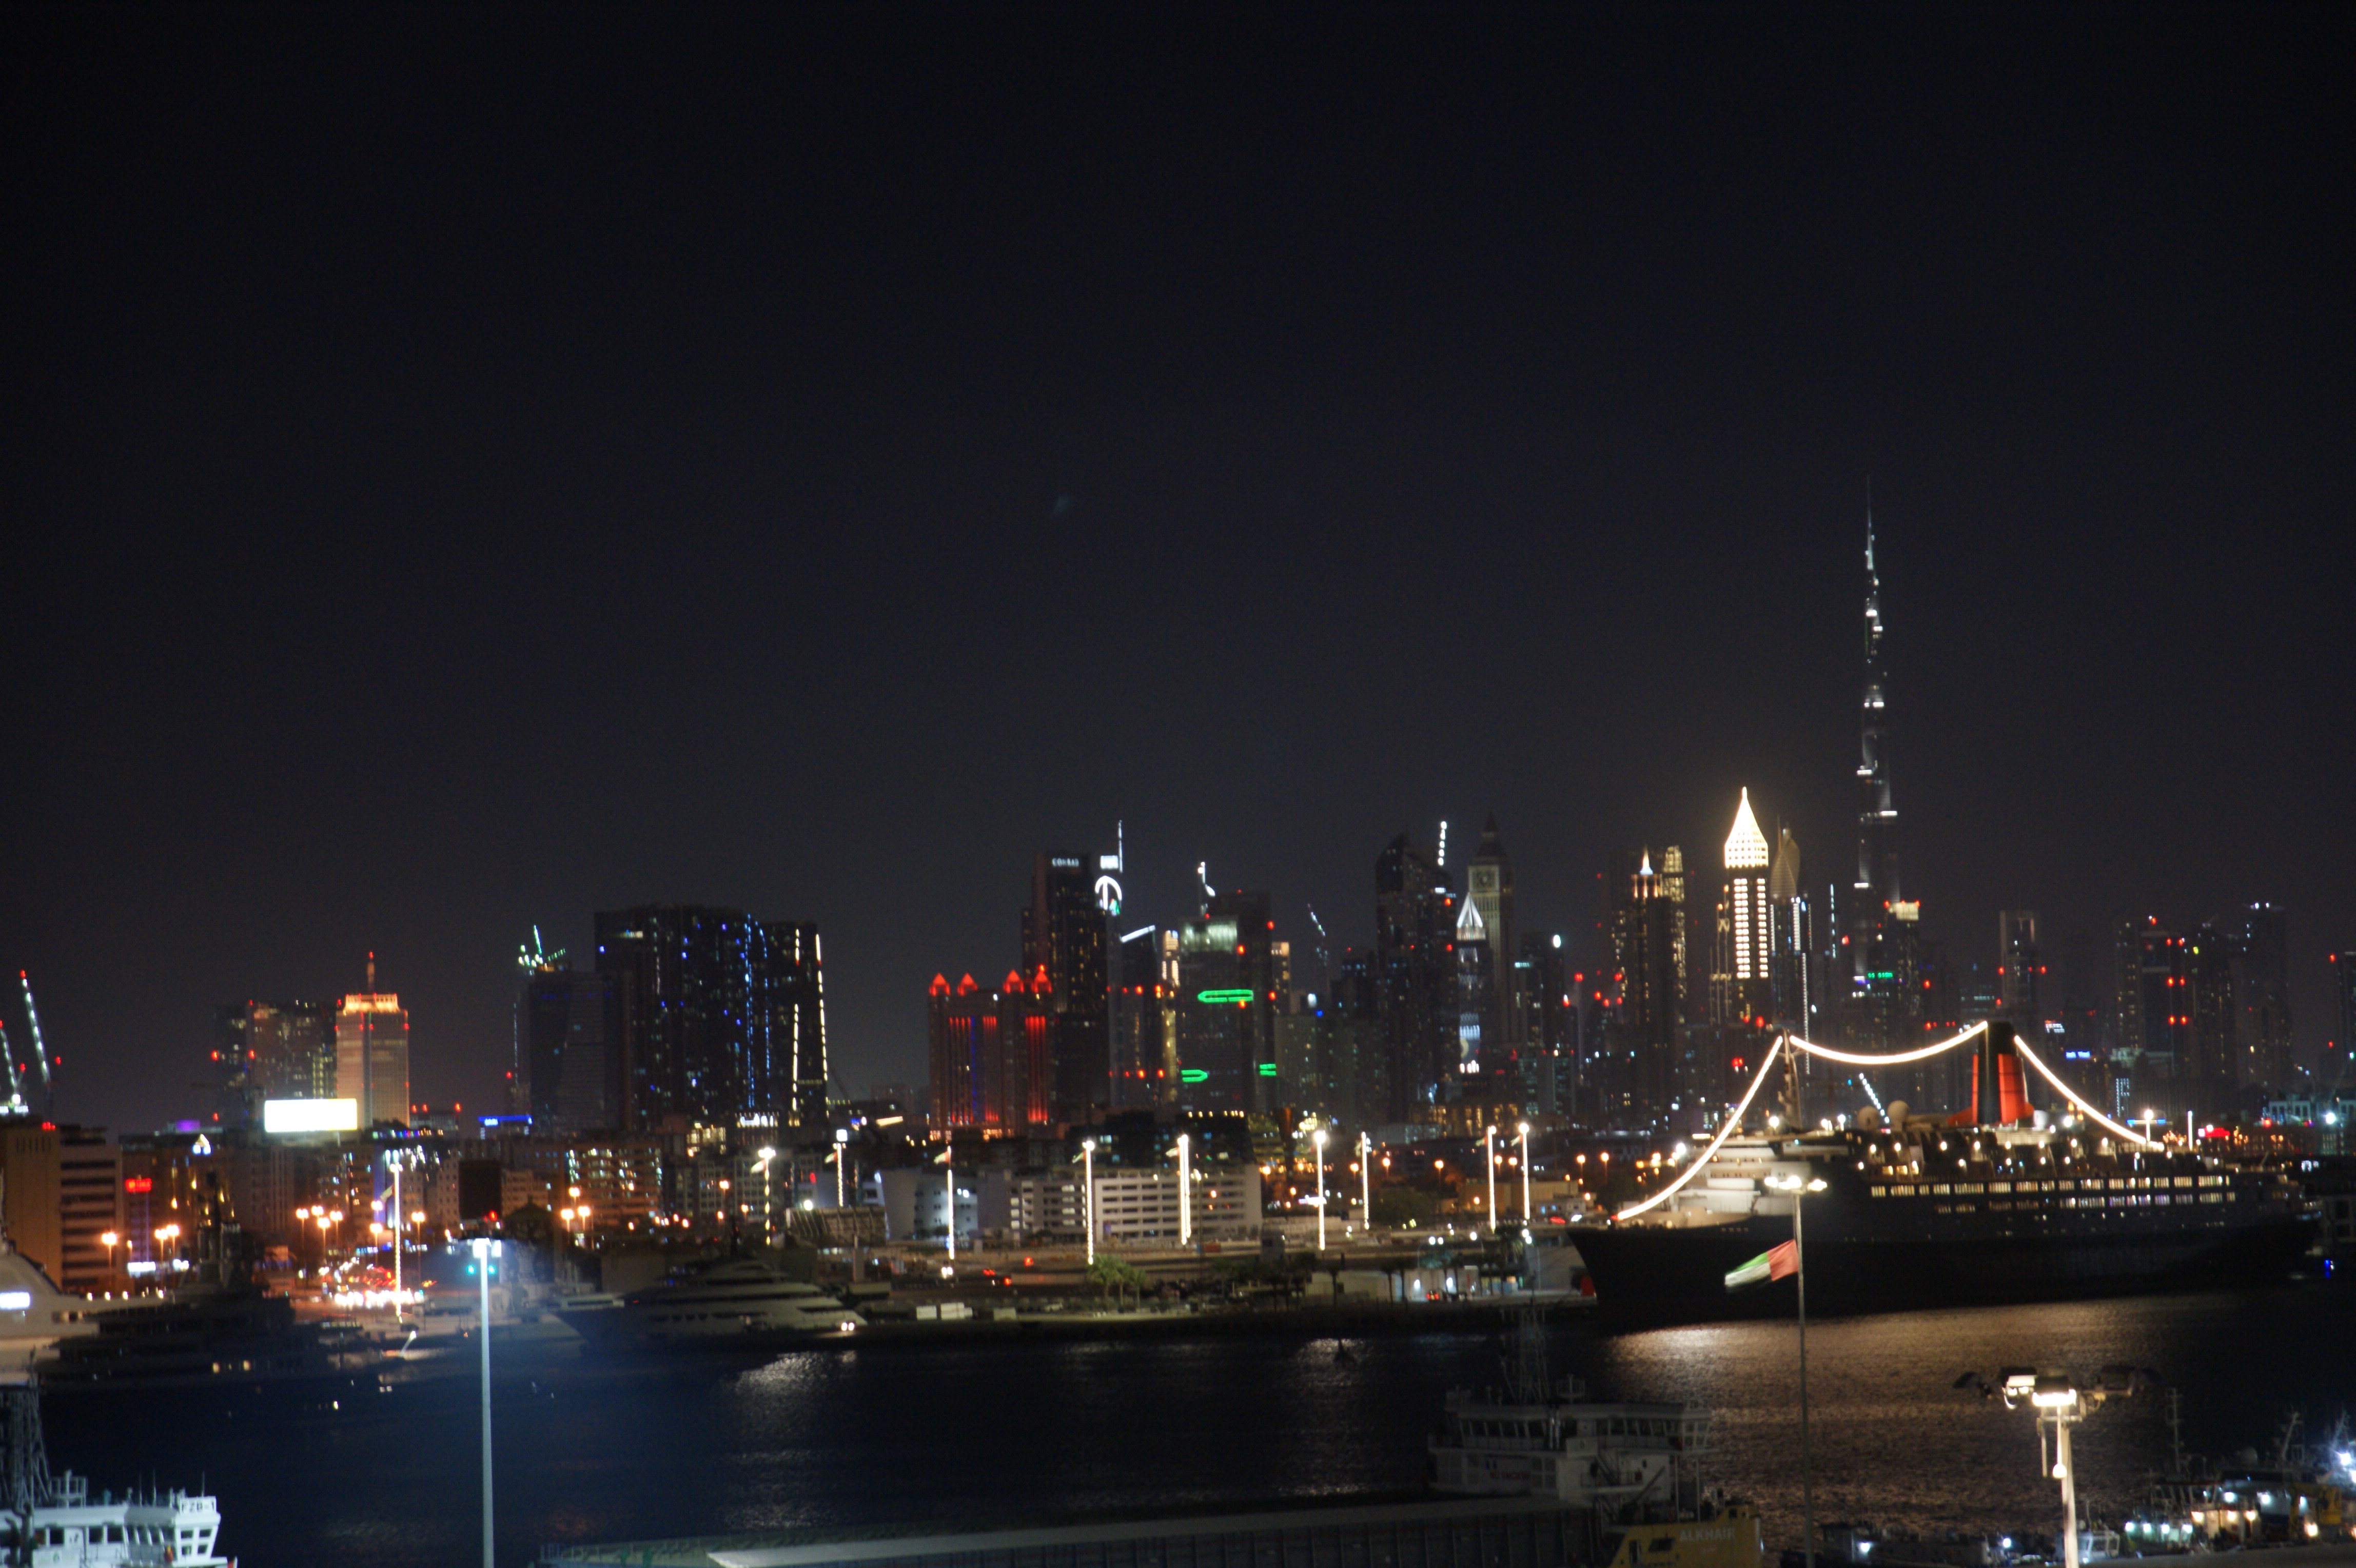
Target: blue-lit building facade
714	1018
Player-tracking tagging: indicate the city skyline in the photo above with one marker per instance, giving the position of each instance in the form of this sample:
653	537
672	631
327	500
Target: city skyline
945	442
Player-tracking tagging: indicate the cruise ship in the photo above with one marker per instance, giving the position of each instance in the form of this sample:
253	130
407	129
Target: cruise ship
1924	1211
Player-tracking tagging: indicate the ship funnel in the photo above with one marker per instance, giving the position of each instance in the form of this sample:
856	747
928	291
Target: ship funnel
1996	1083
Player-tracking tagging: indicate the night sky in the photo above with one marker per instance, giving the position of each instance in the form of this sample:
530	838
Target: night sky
469	467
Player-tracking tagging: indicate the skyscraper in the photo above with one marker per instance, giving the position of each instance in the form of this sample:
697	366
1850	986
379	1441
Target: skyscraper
1542	982
1226	1005
1742	971
1476	997
2262	993
1414	977
991	1055
1489	888
716	1018
2210	960
2339	1072
1649	1015
1791	940
1144	1033
1064	934
373	1054
1879	1003
570	1079
273	1050
2020	969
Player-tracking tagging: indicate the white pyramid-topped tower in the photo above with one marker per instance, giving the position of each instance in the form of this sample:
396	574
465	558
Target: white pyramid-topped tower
1746	847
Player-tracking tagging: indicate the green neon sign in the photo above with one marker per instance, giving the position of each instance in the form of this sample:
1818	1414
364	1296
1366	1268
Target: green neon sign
1267	1070
1219	998
1193	1075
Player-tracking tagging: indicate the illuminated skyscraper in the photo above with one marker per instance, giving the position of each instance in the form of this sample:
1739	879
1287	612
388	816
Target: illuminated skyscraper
1741	982
717	1020
1476	995
272	1050
1489	886
373	1054
1064	934
1881	1003
1414	978
1144	1023
1227	1007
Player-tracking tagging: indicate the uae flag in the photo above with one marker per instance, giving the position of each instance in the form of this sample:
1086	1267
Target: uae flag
1772	1265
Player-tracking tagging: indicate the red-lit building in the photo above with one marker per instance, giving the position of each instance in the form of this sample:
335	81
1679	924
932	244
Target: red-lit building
993	1053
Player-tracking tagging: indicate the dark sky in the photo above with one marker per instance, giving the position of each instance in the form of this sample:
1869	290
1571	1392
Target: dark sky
473	467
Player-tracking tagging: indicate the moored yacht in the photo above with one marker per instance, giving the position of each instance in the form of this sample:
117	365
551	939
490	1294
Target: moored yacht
733	1303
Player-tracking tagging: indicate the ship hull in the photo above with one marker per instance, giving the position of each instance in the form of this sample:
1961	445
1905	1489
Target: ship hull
1678	1273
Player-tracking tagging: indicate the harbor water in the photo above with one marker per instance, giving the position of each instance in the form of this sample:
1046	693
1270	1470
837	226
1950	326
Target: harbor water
593	1450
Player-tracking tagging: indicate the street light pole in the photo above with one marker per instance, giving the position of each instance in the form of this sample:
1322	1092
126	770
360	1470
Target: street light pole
948	1174
1088	1161
1525	1172
394	1161
1491	1143
1366	1181
1319	1141
1185	1191
485	1251
1799	1187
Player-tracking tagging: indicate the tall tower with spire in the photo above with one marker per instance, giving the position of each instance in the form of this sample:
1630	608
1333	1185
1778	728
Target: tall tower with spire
1882	950
1876	816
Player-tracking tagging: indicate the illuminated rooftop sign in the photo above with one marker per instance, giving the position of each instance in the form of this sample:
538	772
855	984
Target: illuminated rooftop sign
310	1116
1194	1075
1220	998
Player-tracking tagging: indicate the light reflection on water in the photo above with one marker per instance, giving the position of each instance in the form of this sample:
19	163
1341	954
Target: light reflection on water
1003	1431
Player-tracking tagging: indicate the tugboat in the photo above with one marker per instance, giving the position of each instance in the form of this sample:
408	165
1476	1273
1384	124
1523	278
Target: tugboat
50	1520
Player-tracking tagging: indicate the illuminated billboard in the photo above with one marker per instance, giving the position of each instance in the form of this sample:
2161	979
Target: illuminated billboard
310	1115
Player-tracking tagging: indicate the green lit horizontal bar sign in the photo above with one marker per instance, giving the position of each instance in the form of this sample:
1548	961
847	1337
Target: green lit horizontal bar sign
1194	1075
1220	998
1267	1070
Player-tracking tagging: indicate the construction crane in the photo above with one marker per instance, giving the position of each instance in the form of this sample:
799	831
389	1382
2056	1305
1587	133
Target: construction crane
40	1051
16	1084
1324	952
